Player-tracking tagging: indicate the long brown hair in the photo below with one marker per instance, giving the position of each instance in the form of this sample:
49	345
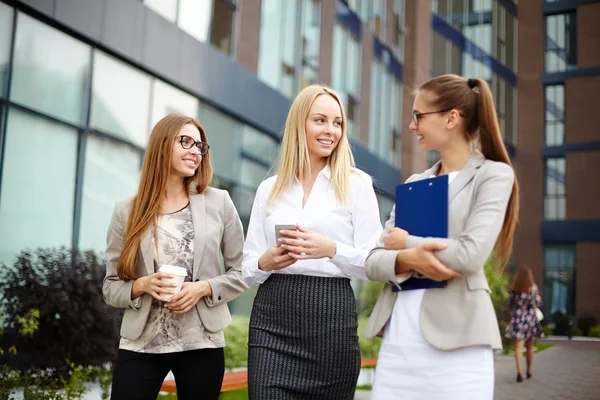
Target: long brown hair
523	281
294	160
473	99
153	186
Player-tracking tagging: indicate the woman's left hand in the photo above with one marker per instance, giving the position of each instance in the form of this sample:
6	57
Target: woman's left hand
190	294
304	244
395	239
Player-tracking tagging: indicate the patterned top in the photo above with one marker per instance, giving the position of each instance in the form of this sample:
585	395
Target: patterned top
523	324
166	331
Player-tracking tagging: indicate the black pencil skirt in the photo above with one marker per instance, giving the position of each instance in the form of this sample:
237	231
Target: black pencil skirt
303	341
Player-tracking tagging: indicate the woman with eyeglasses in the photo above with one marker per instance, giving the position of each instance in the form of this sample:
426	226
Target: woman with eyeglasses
303	341
438	342
175	219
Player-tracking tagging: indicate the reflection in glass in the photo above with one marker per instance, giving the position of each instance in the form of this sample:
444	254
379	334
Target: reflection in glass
259	145
555	115
252	173
166	8
6	20
120	99
225	141
167	99
554	190
48	177
561	42
311	37
111	173
559	280
194	17
50	71
222	26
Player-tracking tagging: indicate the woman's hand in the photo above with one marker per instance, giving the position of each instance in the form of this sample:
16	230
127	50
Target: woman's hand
154	285
395	239
304	244
190	294
422	259
275	258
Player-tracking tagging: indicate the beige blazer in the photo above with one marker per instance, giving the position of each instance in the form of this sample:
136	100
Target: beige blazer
217	233
461	314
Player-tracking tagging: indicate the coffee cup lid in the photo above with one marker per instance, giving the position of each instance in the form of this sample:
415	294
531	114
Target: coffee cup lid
173	269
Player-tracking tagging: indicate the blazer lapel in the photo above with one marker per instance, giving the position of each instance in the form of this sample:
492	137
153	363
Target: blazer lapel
465	175
198	207
147	251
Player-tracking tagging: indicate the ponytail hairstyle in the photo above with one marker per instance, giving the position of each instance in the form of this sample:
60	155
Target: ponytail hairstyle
472	98
153	186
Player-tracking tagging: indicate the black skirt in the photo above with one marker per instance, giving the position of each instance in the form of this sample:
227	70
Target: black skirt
303	341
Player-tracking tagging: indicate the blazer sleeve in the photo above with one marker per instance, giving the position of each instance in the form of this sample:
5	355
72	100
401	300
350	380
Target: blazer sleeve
380	265
470	251
116	292
228	286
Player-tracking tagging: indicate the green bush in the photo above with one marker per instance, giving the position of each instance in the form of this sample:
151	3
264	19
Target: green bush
236	343
369	348
585	323
577	331
547	330
594	331
367	296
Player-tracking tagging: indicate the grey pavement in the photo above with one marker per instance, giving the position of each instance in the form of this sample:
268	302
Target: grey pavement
568	371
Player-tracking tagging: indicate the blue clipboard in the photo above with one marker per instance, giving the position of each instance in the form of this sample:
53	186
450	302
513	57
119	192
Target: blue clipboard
422	210
422	207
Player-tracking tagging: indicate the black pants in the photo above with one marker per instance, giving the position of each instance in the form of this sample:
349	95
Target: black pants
139	376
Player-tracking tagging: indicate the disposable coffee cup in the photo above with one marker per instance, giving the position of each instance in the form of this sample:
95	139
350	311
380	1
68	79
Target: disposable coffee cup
178	274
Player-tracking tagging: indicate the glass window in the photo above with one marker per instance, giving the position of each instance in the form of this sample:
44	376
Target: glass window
311	37
561	42
345	76
252	174
554	196
120	99
377	18
399	29
259	145
224	139
167	99
275	65
555	115
26	180
50	71
222	27
385	207
166	8
111	173
6	21
384	122
194	17
559	280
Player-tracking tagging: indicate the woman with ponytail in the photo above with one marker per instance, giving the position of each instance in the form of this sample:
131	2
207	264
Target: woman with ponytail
438	342
175	219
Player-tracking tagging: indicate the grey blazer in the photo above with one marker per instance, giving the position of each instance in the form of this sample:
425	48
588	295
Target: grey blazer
461	314
217	233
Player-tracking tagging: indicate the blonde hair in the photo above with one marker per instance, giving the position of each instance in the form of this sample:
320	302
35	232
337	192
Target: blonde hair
294	160
153	186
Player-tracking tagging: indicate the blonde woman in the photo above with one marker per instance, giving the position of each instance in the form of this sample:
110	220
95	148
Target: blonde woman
176	219
303	329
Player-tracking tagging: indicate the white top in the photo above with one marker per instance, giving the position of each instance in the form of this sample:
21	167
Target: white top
355	227
409	367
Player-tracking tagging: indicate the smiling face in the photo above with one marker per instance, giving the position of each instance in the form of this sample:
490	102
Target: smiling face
432	129
323	127
185	162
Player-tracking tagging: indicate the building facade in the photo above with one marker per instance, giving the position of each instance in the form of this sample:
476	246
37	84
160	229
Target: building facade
559	152
83	81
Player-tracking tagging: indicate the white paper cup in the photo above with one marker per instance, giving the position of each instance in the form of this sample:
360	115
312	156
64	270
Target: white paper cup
179	275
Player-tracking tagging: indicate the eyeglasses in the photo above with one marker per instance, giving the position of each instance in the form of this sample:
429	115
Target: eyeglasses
417	116
187	142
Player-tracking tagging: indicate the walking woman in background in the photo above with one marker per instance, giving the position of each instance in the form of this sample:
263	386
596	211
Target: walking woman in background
438	342
524	326
175	219
303	341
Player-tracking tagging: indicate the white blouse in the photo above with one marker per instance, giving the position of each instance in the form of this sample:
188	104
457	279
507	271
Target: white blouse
355	227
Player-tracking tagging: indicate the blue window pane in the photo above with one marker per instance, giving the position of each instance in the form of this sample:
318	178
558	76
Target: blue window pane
6	20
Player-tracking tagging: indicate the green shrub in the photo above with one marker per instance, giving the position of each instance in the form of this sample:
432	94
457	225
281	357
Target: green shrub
585	323
594	331
499	283
547	330
236	343
577	331
367	296
369	348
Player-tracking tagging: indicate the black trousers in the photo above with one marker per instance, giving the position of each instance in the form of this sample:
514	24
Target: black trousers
139	376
